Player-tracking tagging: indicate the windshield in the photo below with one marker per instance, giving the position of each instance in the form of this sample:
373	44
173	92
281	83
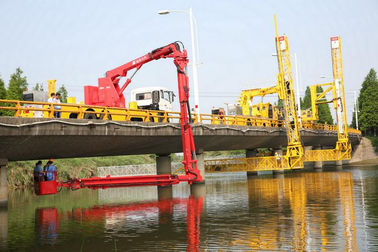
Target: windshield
143	96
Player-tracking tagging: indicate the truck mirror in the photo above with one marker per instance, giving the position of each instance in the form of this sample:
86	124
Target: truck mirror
155	97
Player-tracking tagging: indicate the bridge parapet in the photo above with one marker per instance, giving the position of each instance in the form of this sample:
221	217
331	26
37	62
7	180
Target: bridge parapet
26	109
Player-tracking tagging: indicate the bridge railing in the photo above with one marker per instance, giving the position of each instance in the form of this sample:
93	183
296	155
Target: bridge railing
81	111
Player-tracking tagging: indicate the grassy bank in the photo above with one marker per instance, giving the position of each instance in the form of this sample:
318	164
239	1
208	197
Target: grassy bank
20	173
374	142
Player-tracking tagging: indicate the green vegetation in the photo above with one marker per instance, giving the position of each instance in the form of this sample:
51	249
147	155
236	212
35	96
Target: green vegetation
63	94
38	87
3	95
17	85
20	173
224	153
368	105
324	112
374	142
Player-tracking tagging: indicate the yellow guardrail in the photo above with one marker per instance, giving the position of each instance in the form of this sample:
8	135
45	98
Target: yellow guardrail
81	111
268	163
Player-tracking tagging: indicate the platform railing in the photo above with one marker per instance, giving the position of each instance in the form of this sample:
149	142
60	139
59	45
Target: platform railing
30	109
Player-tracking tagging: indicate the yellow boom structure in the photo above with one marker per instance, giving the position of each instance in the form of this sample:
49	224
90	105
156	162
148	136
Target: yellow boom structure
51	86
285	85
343	147
295	155
249	94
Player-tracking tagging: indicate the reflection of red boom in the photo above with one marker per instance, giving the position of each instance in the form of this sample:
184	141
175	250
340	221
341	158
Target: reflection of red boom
111	82
99	213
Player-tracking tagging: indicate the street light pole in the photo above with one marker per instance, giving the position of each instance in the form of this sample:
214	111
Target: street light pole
298	94
355	107
194	69
194	44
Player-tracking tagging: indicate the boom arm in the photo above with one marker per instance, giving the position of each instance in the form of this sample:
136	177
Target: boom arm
192	174
249	94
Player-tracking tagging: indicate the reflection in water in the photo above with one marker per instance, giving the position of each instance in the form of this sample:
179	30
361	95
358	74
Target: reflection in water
301	211
114	217
304	212
46	223
3	226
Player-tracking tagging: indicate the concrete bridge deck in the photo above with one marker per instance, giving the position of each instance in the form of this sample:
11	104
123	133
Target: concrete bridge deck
41	138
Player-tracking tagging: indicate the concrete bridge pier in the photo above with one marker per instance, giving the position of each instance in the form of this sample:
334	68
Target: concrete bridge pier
198	189
339	163
3	183
318	165
201	164
163	166
248	154
308	165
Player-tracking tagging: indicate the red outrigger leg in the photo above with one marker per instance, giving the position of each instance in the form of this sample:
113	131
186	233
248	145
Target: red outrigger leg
192	174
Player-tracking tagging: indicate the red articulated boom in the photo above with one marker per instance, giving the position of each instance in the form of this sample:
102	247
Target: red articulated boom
109	90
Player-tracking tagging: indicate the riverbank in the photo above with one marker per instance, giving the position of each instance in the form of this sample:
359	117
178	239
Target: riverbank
20	173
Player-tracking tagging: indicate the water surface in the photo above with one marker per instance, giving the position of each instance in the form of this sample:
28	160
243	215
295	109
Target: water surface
301	211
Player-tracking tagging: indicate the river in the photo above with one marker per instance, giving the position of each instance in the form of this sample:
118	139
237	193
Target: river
333	210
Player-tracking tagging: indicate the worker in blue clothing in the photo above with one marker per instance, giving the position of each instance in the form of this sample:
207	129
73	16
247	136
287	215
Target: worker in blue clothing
50	170
38	171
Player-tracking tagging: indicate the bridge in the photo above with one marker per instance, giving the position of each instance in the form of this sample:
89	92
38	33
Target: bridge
23	138
42	138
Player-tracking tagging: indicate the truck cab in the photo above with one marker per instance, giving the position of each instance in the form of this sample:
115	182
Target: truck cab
153	98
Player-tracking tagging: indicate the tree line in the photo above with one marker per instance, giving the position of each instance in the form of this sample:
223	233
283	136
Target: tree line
18	84
367	105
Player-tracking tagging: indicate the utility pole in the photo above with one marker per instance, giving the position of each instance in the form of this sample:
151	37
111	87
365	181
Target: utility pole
355	108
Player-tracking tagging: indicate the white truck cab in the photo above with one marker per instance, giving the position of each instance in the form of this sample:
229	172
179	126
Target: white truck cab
154	98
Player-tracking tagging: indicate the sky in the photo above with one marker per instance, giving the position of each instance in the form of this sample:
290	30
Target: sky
76	42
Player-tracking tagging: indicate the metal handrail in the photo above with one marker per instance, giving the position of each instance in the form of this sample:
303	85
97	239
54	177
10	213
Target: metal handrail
22	108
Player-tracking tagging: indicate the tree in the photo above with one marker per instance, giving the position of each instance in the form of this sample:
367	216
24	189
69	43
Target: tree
3	91
280	104
324	112
306	102
38	87
3	95
17	85
368	104
63	93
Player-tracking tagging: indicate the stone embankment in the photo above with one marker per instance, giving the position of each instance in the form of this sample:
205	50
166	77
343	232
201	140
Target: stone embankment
364	152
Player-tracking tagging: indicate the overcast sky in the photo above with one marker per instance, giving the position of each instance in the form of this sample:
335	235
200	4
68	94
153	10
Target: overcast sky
76	42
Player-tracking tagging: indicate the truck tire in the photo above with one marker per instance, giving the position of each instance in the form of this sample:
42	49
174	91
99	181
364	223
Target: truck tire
73	116
109	116
90	116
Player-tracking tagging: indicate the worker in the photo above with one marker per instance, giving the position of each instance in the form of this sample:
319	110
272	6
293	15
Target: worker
278	158
38	171
52	98
57	107
50	170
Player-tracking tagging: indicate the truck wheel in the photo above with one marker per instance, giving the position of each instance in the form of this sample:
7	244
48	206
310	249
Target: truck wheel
109	116
136	119
90	116
73	116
